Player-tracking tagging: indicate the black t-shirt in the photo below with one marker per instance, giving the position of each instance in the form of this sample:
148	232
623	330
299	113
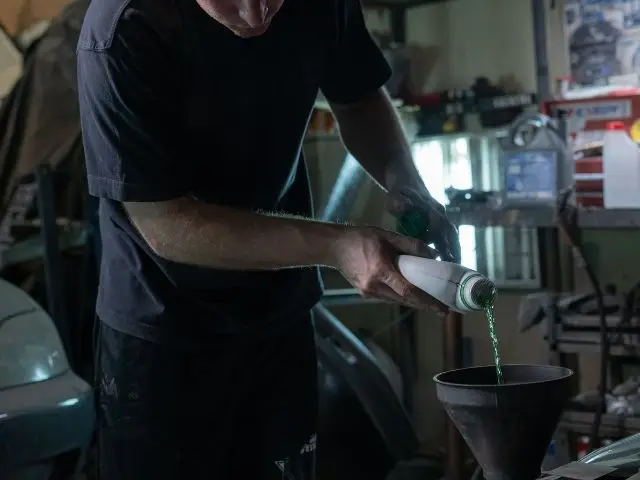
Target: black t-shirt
174	104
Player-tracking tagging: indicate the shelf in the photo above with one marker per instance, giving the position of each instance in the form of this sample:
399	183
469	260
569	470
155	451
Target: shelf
589	342
581	334
321	103
540	217
612	426
399	3
479	105
338	297
32	248
593	321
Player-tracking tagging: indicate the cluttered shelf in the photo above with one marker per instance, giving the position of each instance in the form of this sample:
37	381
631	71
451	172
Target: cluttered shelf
399	3
612	425
621	344
589	343
573	324
540	217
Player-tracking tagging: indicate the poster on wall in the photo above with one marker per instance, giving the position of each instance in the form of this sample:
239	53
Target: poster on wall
603	37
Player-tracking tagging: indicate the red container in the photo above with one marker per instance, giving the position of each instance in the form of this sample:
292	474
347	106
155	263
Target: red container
582	447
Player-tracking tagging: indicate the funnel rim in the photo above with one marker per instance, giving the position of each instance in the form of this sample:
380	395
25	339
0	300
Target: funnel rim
566	373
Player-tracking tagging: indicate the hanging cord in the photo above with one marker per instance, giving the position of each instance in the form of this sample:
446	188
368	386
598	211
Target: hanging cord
567	220
629	307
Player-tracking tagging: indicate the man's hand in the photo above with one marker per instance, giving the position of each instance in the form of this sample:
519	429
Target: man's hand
441	231
367	258
372	132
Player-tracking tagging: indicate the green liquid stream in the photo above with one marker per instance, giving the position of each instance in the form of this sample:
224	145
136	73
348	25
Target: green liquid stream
495	343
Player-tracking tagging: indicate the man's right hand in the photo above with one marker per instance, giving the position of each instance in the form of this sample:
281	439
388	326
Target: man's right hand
367	256
187	231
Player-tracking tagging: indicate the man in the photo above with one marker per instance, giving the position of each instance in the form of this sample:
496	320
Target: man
193	115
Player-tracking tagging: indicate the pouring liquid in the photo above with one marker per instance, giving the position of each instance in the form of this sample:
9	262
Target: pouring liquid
495	343
413	224
487	301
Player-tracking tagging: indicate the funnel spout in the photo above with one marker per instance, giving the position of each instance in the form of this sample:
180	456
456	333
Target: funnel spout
507	426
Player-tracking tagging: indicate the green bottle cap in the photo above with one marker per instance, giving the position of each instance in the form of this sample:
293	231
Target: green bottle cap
411	223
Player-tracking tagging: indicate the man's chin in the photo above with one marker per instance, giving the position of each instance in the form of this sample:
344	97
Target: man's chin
250	32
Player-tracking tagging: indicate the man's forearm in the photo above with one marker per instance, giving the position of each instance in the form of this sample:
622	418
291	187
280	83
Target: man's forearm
372	132
191	232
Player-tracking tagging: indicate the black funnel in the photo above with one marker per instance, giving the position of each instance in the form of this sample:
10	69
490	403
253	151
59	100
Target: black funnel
508	427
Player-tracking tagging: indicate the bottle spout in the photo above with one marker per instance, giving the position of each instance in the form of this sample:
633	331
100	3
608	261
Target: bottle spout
483	293
476	292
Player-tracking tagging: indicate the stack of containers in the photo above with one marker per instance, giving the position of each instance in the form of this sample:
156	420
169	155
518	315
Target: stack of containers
621	167
607	173
589	175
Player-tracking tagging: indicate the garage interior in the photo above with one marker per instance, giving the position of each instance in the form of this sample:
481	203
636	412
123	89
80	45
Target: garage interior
478	84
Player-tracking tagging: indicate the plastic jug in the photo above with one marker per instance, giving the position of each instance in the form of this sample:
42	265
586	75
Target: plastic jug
621	166
459	288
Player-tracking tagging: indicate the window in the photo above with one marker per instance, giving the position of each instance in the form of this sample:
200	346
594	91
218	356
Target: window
438	174
509	256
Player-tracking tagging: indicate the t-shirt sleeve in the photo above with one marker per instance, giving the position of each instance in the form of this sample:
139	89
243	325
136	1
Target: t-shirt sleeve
129	116
358	67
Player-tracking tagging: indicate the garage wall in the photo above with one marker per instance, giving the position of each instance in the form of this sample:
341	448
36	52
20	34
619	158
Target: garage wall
477	37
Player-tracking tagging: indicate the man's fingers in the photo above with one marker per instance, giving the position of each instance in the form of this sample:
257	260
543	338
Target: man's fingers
384	293
410	294
411	246
387	295
397	201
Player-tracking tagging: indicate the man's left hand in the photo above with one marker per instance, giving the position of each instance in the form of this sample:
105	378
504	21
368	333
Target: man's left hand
442	232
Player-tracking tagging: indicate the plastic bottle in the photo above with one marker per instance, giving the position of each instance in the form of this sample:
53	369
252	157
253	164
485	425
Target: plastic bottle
621	166
459	288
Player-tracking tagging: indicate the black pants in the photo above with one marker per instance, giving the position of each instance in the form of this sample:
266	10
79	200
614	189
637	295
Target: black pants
240	409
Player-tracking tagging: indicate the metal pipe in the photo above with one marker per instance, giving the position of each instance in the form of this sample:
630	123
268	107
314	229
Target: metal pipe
407	361
54	278
453	360
540	49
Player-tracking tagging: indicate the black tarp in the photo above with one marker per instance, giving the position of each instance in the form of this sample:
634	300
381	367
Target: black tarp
39	120
40	126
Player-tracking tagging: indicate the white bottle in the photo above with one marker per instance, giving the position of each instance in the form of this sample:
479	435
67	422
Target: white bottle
459	288
621	168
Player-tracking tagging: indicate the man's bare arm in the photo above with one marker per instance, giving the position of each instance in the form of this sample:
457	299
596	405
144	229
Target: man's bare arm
372	132
191	232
